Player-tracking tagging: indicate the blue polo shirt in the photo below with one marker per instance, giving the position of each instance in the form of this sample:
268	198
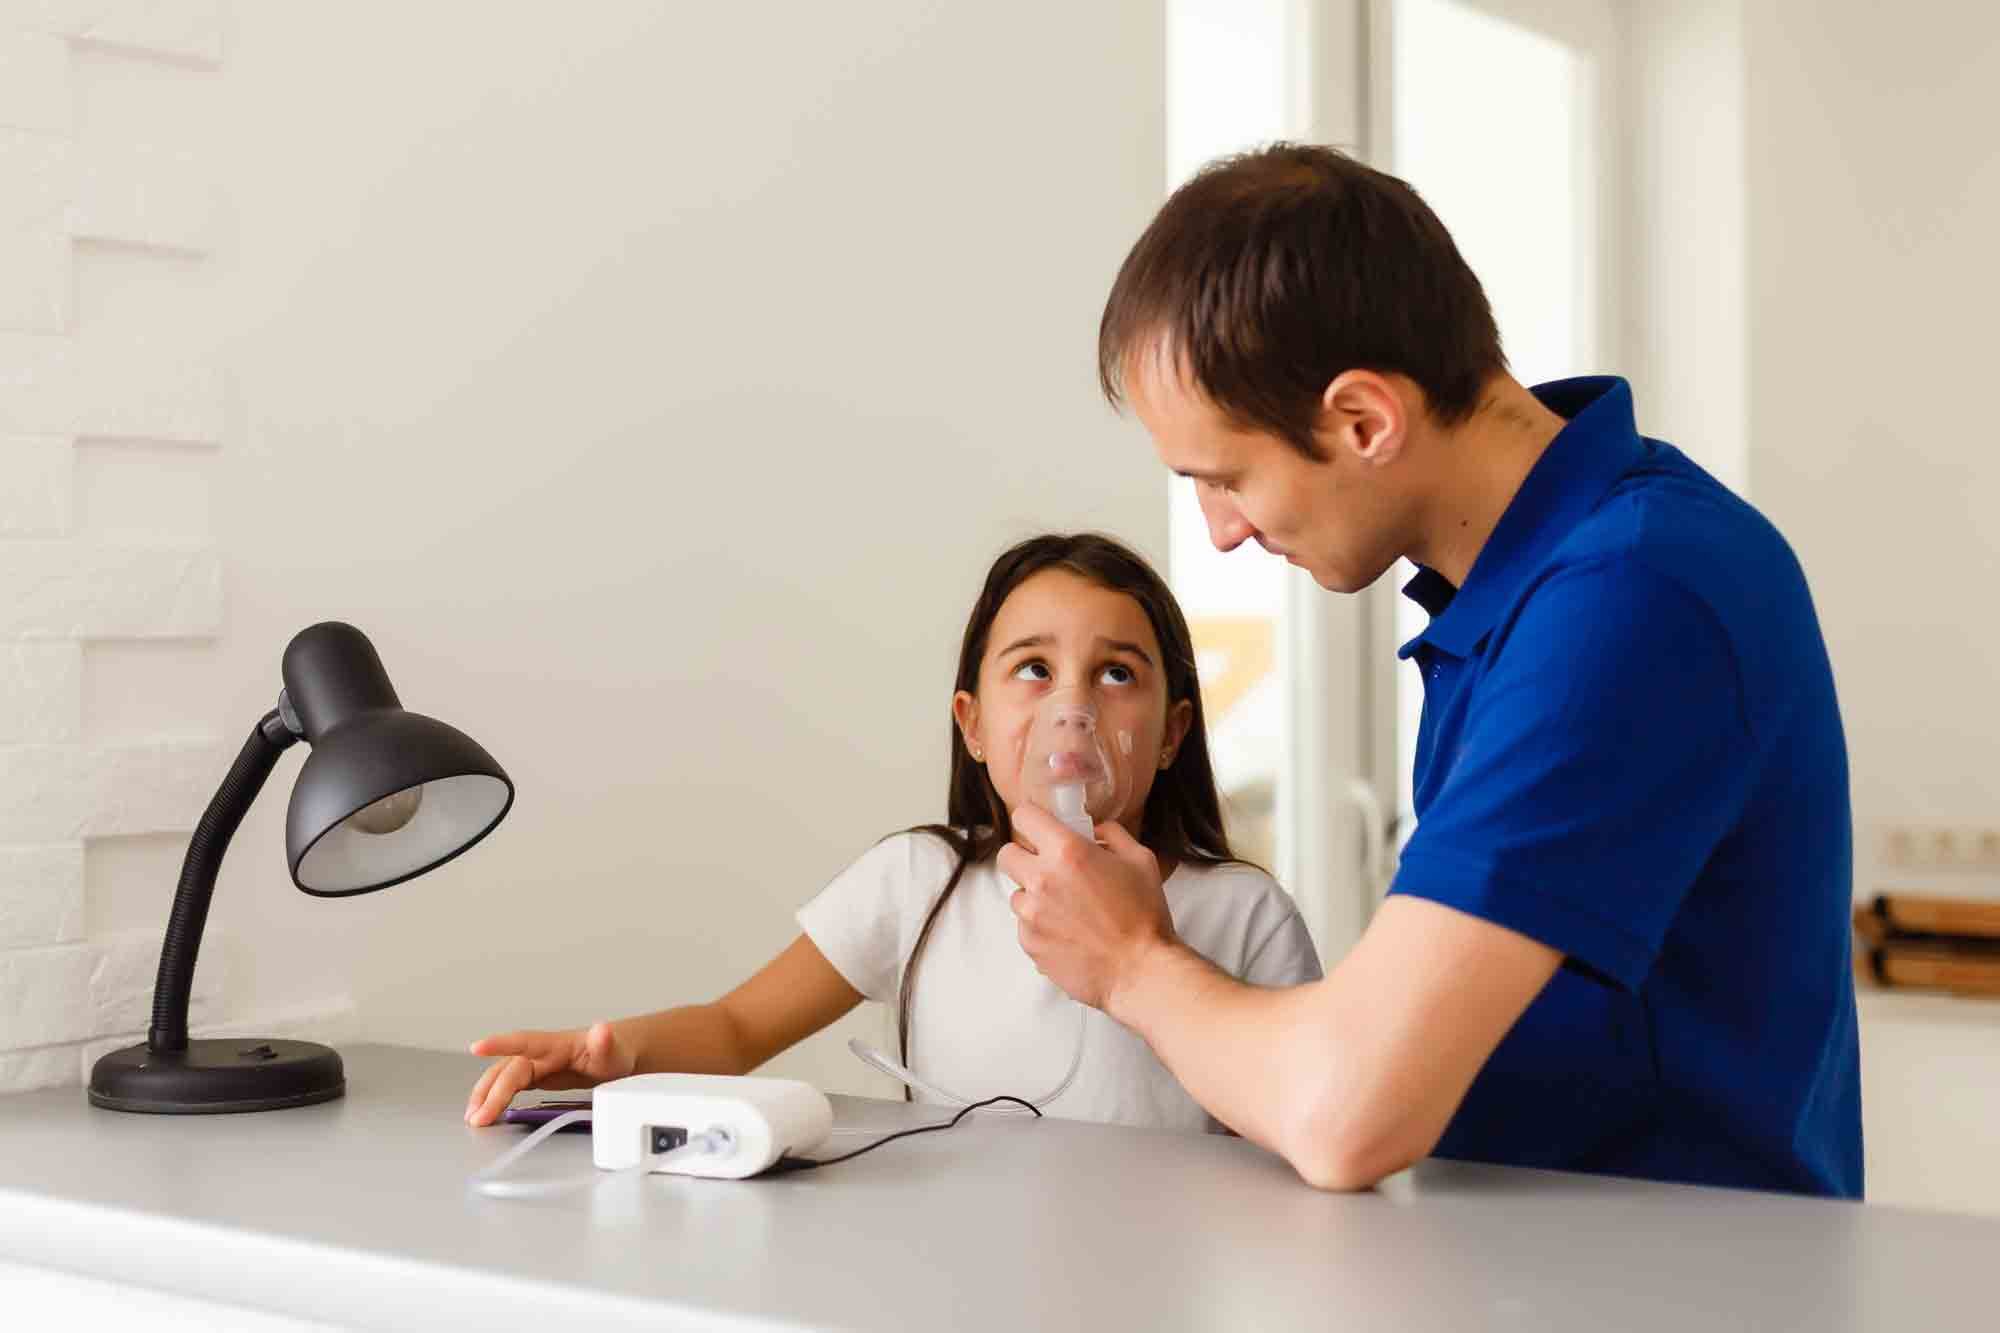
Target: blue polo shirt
1631	752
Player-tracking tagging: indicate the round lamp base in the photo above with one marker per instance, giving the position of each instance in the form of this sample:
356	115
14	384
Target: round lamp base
215	1075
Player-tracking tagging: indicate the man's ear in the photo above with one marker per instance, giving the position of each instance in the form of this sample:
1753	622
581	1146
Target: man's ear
965	712
1362	415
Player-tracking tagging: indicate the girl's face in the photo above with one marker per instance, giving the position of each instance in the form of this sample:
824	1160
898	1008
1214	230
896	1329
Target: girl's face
1061	634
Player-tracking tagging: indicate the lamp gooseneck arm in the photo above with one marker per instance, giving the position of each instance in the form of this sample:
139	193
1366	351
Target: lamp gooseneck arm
204	858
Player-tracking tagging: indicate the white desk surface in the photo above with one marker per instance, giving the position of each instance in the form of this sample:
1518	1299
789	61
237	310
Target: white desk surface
357	1212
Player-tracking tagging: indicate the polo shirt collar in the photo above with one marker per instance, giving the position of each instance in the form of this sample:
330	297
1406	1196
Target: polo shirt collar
1599	444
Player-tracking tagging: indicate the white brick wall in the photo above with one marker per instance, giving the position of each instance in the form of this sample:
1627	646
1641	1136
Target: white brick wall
34	81
41	896
66	995
185	32
40	494
40	693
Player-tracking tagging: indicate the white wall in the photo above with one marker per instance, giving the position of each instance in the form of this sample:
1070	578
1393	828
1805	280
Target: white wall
1684	309
652	383
1930	1086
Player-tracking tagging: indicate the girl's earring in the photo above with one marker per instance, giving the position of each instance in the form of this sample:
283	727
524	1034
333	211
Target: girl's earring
978	755
1166	762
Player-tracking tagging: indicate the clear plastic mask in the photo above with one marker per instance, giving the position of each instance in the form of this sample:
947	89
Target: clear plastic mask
1070	768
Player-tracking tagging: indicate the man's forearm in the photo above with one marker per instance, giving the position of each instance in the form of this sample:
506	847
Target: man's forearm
1239	1050
1358	1075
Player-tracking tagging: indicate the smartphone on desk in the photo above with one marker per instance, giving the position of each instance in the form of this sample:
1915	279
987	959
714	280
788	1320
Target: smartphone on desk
540	1113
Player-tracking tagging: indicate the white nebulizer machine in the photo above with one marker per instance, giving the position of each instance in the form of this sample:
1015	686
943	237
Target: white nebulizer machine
723	1127
683	1124
751	1123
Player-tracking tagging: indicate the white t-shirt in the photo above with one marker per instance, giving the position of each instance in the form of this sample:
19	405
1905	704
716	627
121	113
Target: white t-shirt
985	1022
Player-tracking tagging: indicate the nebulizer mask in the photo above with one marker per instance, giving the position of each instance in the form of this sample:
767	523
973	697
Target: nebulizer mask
1071	768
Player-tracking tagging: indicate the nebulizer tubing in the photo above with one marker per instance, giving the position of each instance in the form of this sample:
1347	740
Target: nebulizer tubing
1067	770
876	1060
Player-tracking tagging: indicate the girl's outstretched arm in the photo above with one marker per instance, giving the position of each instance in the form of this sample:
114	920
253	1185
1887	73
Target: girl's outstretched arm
787	1000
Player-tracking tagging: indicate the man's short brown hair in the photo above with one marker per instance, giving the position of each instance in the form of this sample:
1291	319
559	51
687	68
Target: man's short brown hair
1270	273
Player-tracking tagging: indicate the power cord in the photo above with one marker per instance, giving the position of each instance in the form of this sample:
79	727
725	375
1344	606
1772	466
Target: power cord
788	1164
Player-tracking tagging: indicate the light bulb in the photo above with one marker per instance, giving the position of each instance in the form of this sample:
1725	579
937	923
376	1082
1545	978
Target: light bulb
390	813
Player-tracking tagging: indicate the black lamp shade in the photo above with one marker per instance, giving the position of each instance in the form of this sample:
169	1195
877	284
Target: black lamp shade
461	793
365	749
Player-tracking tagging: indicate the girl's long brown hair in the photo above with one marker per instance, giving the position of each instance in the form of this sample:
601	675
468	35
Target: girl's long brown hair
1183	817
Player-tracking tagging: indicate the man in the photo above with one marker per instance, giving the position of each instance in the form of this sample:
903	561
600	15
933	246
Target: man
1617	941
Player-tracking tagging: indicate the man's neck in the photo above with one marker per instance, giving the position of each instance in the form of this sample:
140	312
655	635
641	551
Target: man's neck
1479	465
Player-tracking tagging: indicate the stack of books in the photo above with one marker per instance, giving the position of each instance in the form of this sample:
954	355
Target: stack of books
1930	943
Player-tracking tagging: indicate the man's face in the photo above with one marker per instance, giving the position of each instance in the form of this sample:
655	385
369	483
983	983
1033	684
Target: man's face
1330	516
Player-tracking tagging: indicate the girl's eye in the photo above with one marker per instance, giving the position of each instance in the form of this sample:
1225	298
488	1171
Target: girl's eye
1116	674
1028	670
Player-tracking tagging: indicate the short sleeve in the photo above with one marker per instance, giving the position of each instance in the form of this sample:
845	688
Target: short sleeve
1237	917
1286	955
866	919
1605	753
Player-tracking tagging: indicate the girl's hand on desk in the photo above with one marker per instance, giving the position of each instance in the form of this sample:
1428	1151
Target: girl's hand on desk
576	1058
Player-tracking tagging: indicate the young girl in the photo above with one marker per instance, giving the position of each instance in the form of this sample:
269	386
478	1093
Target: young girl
1076	644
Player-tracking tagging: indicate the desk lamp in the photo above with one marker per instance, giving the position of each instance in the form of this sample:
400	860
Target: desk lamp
384	796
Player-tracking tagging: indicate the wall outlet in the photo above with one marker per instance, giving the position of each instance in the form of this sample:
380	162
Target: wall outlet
1939	847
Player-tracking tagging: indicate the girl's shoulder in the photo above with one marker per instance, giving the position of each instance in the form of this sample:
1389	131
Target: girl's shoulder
891	884
915	859
1229	912
1235	882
